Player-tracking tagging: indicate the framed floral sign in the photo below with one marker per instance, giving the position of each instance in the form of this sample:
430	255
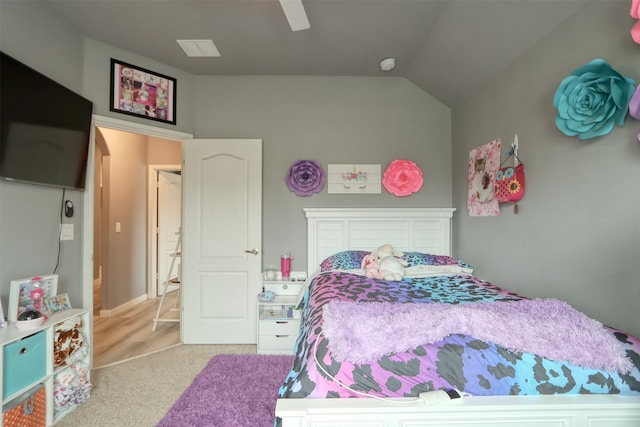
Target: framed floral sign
354	179
140	92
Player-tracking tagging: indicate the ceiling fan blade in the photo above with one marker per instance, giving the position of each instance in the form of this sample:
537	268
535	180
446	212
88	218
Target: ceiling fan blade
294	11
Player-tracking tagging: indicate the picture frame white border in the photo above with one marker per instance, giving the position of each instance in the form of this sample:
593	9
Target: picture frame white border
51	288
3	322
64	298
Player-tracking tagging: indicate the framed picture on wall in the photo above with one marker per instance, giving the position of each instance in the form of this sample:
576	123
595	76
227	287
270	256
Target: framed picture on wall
137	91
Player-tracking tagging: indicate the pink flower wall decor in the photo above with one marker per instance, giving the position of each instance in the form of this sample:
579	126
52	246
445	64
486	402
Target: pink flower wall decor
635	13
402	178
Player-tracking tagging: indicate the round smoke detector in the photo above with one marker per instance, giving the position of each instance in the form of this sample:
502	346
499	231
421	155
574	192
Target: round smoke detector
388	64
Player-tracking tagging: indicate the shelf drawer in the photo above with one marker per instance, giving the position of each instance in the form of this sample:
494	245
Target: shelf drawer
279	327
28	409
24	363
284	343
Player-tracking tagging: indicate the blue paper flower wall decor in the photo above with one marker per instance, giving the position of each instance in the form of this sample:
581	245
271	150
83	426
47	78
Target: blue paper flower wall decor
592	99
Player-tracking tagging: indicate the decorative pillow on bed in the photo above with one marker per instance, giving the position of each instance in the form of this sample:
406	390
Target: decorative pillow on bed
352	260
419	258
345	260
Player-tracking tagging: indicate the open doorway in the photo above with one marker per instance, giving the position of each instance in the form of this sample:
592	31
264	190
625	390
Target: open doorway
126	214
124	235
165	220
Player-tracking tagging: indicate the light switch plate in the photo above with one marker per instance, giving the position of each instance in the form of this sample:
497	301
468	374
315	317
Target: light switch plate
66	232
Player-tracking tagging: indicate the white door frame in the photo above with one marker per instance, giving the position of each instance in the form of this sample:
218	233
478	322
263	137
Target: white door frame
152	221
87	205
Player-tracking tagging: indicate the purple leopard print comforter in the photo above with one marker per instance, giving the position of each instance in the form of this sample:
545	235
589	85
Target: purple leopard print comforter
457	362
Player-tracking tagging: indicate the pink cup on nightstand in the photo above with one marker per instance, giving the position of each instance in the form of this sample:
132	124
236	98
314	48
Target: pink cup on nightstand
285	265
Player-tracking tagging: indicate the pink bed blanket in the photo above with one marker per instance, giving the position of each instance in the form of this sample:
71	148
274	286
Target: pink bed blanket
366	331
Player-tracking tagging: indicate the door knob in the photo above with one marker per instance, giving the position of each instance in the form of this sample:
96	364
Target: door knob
253	251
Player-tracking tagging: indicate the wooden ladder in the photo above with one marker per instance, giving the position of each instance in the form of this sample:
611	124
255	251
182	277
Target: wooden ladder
165	286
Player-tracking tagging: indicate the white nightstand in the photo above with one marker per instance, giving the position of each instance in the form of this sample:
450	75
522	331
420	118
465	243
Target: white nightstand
278	325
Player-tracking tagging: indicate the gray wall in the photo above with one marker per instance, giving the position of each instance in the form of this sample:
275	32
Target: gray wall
125	202
338	120
30	214
577	236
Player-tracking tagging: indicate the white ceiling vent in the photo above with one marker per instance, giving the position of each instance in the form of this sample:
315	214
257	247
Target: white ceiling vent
295	14
199	47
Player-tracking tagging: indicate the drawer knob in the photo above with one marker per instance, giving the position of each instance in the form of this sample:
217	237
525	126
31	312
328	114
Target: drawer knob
23	350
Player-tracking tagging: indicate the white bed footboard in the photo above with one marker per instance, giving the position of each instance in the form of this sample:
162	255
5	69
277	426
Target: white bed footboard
529	411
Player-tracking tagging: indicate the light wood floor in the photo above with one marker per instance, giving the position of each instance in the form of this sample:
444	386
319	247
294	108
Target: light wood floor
129	334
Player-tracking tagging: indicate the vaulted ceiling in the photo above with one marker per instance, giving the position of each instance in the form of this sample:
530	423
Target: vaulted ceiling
449	48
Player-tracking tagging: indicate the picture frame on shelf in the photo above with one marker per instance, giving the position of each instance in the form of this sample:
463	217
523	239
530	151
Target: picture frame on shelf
3	321
139	92
58	303
30	294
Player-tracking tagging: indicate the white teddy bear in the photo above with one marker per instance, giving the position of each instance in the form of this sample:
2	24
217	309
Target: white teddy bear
390	264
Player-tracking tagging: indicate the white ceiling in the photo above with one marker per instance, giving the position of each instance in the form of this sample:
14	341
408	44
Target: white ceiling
449	48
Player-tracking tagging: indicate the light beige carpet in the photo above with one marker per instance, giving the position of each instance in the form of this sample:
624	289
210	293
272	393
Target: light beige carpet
139	392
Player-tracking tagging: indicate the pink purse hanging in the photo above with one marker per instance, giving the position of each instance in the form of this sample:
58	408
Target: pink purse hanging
510	183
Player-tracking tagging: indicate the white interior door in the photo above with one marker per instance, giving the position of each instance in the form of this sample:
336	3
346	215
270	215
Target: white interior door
169	222
222	237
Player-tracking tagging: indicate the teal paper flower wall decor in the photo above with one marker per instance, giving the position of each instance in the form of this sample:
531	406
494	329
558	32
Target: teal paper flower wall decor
592	99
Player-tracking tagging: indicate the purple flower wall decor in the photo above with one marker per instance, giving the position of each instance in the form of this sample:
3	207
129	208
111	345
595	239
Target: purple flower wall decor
306	177
634	106
402	178
592	99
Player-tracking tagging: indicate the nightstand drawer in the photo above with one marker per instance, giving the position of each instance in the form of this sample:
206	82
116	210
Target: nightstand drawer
278	342
283	288
279	327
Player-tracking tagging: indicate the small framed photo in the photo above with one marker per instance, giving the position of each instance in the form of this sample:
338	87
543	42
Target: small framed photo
137	91
30	294
58	303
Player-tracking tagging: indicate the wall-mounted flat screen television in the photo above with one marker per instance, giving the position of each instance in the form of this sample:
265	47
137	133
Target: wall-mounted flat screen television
44	128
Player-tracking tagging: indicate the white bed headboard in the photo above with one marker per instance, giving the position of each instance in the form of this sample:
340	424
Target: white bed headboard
331	230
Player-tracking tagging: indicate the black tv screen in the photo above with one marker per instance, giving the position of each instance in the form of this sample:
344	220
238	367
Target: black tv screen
44	128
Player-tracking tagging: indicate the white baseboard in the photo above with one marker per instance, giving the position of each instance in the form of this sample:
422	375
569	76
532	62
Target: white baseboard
123	307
